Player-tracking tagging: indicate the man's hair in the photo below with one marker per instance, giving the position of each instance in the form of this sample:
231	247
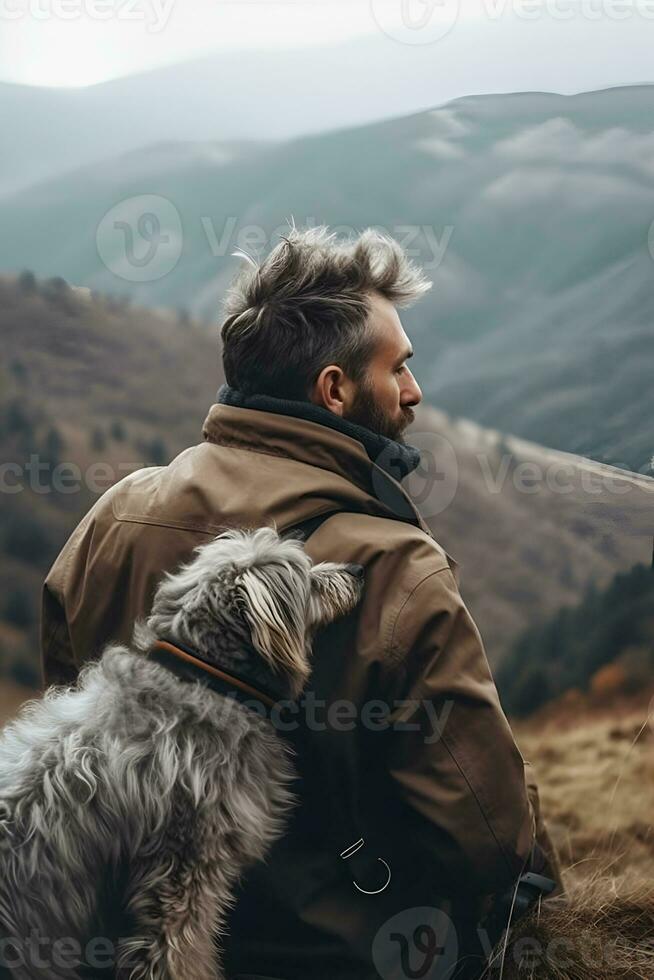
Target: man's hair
307	305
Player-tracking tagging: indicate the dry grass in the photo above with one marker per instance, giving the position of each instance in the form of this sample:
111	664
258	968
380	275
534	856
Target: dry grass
597	788
606	932
596	780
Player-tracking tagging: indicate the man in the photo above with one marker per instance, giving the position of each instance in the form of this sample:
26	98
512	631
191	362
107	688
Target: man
413	797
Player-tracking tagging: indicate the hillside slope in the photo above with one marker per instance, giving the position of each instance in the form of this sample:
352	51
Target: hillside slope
90	389
531	527
596	778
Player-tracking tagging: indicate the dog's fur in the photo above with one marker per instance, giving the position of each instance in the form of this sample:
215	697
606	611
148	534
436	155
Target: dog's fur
142	794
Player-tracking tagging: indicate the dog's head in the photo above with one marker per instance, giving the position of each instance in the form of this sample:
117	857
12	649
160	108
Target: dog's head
254	589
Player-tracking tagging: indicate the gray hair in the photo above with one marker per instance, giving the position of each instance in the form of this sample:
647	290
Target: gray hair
307	305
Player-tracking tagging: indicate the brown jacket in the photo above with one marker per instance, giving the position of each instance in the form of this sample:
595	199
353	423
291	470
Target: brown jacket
447	808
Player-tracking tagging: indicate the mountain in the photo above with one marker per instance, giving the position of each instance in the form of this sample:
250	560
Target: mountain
274	94
245	95
532	213
92	388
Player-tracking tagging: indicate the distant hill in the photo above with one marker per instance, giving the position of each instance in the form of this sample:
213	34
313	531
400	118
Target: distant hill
230	95
531	212
604	645
90	389
94	383
531	527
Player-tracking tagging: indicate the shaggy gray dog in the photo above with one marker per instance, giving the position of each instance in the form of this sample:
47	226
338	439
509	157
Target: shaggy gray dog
130	804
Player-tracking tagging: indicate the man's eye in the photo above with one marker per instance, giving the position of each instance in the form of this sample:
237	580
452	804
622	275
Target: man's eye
400	369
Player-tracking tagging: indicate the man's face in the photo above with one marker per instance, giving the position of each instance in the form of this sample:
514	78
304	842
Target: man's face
384	399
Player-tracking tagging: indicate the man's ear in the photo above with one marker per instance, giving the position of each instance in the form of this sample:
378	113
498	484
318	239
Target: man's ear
333	390
277	628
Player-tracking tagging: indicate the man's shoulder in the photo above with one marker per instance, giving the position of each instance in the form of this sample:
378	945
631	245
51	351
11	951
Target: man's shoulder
395	551
400	561
178	495
156	498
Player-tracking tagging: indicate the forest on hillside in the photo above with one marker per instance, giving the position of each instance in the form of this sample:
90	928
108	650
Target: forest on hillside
601	647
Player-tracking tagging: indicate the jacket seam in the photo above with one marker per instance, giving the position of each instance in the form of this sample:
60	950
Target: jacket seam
446	740
211	529
395	658
175	526
500	846
73	550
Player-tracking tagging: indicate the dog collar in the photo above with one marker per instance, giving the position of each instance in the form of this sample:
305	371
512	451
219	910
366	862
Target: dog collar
188	666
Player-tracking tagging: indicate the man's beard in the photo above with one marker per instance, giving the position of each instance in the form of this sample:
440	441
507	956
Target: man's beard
366	412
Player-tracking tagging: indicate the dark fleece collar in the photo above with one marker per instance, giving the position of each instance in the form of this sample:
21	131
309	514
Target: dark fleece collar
396	458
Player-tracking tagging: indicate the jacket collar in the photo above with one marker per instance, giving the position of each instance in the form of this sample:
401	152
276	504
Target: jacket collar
397	458
317	445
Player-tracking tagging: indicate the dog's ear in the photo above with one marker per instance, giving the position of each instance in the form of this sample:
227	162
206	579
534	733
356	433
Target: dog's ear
335	590
276	622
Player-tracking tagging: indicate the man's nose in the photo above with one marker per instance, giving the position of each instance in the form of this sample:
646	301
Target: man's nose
411	395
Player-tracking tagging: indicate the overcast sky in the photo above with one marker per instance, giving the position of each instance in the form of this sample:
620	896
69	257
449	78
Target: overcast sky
560	45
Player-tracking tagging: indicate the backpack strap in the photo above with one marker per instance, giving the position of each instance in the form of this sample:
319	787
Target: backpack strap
370	873
310	525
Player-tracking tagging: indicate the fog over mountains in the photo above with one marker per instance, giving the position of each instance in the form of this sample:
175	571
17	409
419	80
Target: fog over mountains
532	213
268	95
276	93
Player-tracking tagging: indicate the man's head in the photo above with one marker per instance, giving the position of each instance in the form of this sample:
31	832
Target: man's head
316	321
